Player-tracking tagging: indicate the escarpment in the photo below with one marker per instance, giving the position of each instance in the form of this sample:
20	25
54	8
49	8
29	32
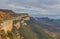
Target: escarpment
20	26
10	23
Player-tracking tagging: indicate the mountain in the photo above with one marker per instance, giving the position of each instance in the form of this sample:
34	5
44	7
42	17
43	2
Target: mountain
50	27
10	23
38	30
6	14
22	26
44	19
57	20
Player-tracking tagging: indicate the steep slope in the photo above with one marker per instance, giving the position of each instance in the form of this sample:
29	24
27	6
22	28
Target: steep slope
27	33
22	27
5	25
38	30
6	17
49	27
6	14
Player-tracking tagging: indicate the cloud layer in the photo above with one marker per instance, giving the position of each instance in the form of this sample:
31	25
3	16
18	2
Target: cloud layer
48	8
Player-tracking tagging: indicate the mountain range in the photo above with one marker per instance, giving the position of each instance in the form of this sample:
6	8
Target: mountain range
50	26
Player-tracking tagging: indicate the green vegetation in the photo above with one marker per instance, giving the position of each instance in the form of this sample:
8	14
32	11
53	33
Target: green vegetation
27	33
38	30
41	34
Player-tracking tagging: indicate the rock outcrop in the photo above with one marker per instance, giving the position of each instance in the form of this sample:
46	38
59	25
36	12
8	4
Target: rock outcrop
11	21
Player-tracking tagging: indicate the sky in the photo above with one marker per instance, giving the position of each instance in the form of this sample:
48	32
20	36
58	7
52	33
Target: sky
35	8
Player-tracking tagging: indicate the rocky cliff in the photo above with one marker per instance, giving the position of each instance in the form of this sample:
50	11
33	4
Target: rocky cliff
10	23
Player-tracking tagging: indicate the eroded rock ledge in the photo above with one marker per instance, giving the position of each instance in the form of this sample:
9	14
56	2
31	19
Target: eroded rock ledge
11	21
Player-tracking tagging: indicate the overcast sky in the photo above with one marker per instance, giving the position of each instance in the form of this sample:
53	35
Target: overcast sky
46	8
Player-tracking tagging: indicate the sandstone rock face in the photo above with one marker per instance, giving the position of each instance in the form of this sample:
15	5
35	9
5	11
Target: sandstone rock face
7	18
7	25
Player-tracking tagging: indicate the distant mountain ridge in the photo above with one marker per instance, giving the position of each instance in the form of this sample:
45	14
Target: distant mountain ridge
49	26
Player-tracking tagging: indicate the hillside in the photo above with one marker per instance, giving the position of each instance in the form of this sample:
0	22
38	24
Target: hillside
20	26
6	14
38	29
50	27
